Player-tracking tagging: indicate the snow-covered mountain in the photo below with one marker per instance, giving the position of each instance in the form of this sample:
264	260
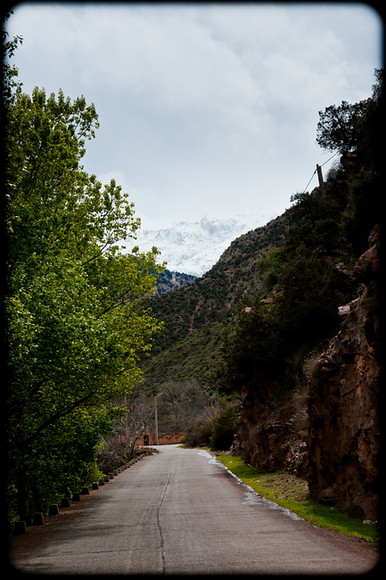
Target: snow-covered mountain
194	247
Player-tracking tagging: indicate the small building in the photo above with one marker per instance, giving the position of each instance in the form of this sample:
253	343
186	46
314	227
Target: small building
147	438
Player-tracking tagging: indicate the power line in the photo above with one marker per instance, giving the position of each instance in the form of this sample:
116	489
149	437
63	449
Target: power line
336	153
309	181
329	159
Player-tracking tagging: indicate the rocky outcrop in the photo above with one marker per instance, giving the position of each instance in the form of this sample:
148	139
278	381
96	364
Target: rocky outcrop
168	281
274	426
321	422
343	441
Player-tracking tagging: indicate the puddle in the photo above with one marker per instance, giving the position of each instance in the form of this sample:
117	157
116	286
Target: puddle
251	497
205	454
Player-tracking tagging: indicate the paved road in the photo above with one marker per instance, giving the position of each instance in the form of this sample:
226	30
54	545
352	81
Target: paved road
180	512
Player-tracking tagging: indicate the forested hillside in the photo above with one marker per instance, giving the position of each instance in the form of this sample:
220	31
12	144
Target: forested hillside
212	297
255	328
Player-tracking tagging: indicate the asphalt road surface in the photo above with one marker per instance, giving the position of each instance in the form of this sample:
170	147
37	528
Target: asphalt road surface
181	512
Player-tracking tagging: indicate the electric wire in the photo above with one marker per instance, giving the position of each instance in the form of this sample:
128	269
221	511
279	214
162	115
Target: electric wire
304	191
329	159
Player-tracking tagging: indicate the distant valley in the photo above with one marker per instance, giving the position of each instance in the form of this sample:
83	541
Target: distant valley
168	281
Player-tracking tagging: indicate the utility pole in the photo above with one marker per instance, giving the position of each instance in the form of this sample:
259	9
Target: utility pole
155	420
320	178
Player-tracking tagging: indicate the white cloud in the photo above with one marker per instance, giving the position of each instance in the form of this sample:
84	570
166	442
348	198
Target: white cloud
202	106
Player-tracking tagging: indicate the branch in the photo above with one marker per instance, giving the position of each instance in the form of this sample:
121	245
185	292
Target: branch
56	416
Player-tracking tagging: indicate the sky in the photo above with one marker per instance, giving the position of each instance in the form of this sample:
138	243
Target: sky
204	109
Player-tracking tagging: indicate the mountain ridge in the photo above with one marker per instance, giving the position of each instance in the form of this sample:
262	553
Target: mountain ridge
193	247
169	281
211	297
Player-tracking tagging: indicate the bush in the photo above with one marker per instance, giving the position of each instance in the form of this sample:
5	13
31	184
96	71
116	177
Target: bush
198	434
224	427
217	431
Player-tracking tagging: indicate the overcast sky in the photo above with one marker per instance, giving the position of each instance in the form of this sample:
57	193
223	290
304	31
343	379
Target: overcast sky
205	109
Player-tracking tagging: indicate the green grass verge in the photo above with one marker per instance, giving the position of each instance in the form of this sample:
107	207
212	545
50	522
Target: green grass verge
291	492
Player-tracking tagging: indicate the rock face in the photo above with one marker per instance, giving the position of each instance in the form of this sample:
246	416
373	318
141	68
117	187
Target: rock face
323	424
343	436
168	281
273	430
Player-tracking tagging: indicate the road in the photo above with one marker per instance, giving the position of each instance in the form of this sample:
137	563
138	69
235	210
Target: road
178	512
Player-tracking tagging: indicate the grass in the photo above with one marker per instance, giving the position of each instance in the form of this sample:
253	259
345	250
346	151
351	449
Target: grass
291	492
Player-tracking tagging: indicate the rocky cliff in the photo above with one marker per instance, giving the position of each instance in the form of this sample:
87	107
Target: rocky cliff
321	422
343	440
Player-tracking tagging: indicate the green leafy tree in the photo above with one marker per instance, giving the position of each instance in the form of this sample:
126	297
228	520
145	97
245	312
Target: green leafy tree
306	304
356	131
315	221
251	347
224	426
77	324
337	126
269	267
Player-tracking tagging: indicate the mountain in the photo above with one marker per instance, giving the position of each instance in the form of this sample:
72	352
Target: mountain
294	346
194	247
312	410
168	281
194	314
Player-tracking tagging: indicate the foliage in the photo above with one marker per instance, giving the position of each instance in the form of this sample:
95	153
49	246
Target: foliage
198	434
270	267
357	128
337	126
307	303
304	291
224	427
196	356
216	428
315	221
251	347
301	283
77	323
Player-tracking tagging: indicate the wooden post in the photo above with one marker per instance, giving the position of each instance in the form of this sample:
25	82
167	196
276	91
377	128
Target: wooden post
38	519
155	420
320	178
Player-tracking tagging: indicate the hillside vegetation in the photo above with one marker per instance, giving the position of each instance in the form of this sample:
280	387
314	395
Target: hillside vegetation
212	298
255	327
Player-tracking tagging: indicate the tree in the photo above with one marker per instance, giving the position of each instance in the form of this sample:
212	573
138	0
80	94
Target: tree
251	348
269	267
180	405
120	447
366	187
357	129
77	324
306	304
337	126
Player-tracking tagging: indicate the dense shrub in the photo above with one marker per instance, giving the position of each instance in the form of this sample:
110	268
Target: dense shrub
216	431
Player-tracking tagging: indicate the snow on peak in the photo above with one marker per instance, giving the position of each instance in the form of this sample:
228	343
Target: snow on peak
194	247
